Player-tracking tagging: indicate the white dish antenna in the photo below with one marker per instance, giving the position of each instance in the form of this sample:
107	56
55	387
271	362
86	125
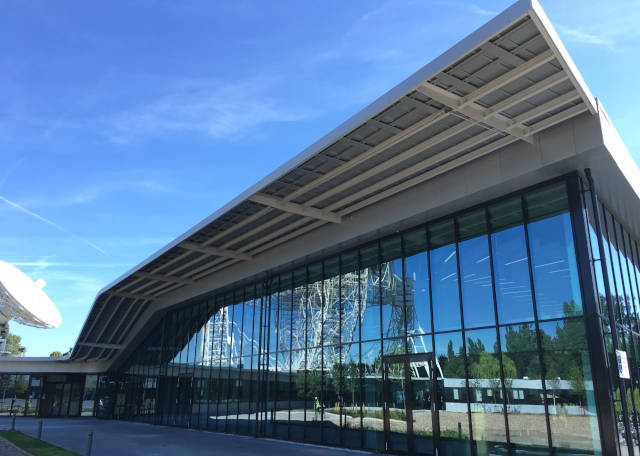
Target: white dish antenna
23	300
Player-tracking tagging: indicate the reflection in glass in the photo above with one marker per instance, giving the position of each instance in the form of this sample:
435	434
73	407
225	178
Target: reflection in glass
454	420
555	271
511	275
477	289
572	411
444	277
302	359
523	385
485	390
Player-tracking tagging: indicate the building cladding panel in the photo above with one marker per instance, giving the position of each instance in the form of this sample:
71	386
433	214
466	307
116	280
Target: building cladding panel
444	275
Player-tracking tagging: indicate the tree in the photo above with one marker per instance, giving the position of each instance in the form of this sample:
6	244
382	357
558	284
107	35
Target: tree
55	354
13	345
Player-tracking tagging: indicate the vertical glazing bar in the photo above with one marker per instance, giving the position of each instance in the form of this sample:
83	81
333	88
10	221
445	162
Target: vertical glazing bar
306	346
291	390
360	367
591	313
322	371
433	374
464	338
607	286
537	323
340	360
211	328
616	339
503	388
252	367
240	365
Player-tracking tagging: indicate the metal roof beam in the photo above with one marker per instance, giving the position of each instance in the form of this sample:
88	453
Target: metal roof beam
559	117
546	107
215	251
164	278
473	111
95	345
509	76
98	317
502	54
293	208
527	93
385	126
106	325
129	295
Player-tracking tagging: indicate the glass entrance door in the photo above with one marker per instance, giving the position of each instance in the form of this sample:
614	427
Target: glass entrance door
410	404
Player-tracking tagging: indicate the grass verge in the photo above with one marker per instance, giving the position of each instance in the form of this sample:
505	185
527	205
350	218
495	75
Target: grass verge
34	446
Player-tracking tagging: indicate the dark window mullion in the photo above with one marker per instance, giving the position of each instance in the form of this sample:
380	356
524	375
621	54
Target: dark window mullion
464	338
537	324
497	328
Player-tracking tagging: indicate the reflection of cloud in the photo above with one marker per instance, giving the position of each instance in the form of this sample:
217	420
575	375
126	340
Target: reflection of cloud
218	110
50	223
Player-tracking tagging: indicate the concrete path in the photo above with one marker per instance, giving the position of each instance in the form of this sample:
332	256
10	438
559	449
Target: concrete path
7	449
124	438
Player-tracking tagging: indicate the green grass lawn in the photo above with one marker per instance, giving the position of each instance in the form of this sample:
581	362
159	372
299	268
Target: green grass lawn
34	446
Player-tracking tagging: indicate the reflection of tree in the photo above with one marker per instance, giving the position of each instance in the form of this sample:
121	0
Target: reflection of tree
452	364
484	368
521	347
314	384
346	378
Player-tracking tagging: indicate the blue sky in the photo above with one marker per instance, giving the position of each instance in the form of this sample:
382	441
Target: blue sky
122	124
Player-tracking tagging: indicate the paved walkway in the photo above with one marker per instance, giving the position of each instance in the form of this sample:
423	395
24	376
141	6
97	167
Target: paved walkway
6	449
124	438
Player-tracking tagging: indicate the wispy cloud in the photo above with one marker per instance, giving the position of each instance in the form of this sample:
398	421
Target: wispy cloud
403	23
475	9
46	221
571	34
219	110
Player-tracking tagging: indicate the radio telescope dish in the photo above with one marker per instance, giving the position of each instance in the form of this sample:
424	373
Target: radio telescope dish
22	300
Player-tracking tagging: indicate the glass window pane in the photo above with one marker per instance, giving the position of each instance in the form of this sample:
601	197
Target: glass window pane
314	306
454	422
506	214
555	271
415	242
370	293
547	201
373	424
485	394
572	410
477	288
511	273
416	284
522	381
331	290
349	296
472	224
299	329
392	289
444	277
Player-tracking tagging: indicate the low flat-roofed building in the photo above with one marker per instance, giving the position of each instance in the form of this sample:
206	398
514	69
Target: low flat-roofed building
453	270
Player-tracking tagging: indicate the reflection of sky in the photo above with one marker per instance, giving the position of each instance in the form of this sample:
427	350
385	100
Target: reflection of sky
554	266
511	271
444	274
477	292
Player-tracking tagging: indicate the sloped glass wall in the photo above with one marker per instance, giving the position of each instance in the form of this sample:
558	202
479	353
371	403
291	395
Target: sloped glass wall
493	293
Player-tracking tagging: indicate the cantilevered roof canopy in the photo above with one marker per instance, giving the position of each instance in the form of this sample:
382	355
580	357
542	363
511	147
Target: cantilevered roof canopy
506	82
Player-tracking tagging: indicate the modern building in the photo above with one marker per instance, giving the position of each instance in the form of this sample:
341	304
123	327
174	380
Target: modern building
454	270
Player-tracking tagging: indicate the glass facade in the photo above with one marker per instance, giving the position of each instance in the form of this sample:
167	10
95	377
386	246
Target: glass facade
615	263
465	335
